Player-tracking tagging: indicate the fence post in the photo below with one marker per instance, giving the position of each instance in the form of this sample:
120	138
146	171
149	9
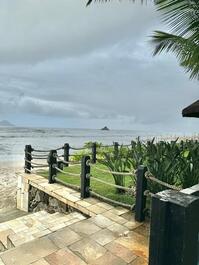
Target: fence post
132	144
94	153
52	161
141	186
85	177
66	153
60	165
116	149
174	229
28	157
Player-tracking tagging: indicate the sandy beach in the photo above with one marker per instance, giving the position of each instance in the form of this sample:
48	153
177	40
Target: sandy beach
8	183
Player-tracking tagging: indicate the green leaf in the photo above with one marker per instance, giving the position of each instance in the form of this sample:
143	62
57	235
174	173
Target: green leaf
186	153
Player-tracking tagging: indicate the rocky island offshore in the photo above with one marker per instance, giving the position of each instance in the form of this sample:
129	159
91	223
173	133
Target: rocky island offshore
105	128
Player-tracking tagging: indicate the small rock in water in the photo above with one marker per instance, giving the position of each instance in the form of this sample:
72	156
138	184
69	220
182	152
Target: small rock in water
105	128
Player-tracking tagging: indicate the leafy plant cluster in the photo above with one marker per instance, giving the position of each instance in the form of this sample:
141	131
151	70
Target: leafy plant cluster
176	163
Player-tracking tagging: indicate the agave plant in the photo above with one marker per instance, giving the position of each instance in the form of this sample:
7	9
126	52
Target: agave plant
137	153
161	161
176	163
189	164
117	163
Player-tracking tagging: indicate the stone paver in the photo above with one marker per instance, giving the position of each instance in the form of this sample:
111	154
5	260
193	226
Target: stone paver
29	252
64	237
143	230
4	235
121	251
63	257
40	262
109	237
102	221
97	209
88	250
136	243
103	237
118	229
1	262
85	228
33	226
114	217
119	210
109	259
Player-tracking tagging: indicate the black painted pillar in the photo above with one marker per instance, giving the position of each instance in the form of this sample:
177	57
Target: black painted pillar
28	157
174	229
52	161
141	187
66	153
85	177
94	153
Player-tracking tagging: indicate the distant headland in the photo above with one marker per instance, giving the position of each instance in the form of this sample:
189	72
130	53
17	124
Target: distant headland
105	128
6	123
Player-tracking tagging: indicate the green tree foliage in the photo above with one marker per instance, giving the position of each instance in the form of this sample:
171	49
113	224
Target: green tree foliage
182	17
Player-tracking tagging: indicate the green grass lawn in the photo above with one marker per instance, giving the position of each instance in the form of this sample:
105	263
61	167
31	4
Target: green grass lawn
100	188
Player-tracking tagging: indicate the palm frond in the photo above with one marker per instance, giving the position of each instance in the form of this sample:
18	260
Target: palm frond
181	15
185	49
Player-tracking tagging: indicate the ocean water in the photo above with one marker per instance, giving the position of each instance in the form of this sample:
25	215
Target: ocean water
13	139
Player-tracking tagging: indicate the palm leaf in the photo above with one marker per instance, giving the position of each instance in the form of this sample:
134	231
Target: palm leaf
185	49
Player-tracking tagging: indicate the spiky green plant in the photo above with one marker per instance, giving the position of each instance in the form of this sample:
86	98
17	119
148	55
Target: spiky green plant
117	162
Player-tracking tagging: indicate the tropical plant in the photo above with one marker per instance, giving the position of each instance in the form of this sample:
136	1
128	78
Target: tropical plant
176	163
117	163
137	153
161	161
189	164
182	16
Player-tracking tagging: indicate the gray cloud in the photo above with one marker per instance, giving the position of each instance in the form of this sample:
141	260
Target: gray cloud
62	60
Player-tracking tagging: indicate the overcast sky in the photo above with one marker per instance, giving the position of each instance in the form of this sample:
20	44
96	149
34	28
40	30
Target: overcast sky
65	65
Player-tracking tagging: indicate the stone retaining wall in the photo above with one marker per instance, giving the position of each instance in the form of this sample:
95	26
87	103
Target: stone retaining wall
39	200
32	199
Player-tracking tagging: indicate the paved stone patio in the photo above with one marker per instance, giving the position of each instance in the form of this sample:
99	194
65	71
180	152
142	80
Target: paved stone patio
108	236
24	229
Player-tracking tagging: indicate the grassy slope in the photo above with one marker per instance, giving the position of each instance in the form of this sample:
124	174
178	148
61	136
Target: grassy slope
102	189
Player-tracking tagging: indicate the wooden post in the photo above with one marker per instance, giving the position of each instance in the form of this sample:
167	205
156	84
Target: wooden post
116	149
66	153
85	177
141	186
174	229
28	157
60	165
94	153
52	161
